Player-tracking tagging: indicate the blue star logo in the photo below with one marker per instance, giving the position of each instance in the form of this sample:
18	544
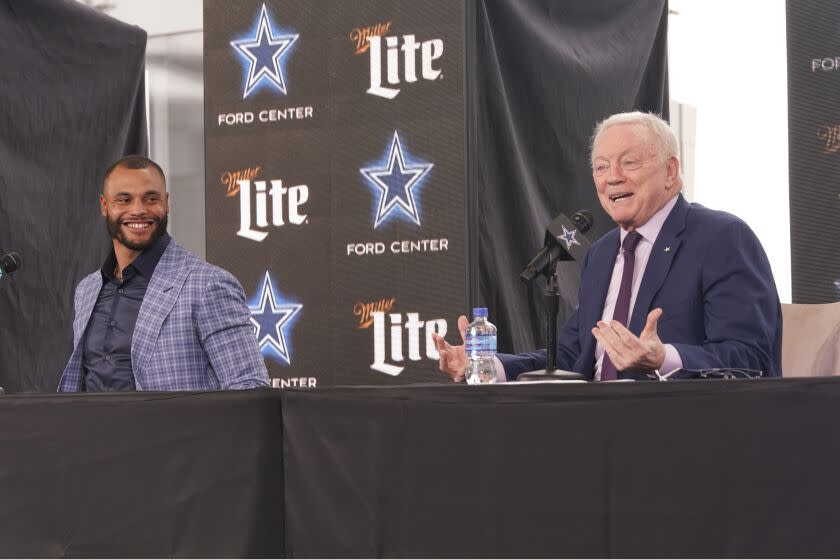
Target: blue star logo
263	52
272	318
395	181
569	237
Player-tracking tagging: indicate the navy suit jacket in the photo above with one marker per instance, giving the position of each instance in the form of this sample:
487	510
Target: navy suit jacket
711	277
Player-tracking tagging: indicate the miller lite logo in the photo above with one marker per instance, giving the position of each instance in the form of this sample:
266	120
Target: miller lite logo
264	203
396	340
360	35
830	135
230	179
389	59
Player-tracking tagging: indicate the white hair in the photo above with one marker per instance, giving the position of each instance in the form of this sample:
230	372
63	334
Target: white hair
662	131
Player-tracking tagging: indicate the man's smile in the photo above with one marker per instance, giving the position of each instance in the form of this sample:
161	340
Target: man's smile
138	226
615	197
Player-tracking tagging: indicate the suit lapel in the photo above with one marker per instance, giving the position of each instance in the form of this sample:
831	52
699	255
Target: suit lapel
161	294
599	273
599	267
89	297
662	255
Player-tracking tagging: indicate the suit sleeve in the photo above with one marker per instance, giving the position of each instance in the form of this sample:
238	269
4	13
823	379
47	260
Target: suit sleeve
741	310
71	377
227	335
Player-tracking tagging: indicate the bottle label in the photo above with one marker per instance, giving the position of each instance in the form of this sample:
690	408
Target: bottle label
486	343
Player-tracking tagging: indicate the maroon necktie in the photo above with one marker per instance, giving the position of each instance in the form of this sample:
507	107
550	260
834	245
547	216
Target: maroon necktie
622	304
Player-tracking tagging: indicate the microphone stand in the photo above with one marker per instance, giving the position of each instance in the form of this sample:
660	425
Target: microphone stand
551	298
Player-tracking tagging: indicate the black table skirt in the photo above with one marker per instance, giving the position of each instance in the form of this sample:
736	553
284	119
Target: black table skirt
692	468
143	474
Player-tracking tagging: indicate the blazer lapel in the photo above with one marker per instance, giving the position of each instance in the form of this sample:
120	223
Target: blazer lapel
661	256
89	297
599	273
163	290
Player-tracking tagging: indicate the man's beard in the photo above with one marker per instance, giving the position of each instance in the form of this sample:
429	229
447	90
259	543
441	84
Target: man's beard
116	232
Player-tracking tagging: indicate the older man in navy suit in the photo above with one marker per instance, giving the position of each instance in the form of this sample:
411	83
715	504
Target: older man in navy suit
676	285
156	317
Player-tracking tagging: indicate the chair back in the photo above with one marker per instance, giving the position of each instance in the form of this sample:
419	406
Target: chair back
810	339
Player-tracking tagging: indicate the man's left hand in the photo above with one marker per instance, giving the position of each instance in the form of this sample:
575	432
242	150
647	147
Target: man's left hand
629	352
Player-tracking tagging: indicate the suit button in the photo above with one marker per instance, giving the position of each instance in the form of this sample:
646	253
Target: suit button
113	323
120	290
108	357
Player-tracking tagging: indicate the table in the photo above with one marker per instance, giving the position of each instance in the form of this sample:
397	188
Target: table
676	469
142	474
690	468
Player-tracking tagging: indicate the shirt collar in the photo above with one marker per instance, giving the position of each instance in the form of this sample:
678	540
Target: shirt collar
145	263
651	229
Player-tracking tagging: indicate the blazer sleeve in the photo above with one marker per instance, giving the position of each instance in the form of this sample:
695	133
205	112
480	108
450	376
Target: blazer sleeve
227	335
71	377
741	309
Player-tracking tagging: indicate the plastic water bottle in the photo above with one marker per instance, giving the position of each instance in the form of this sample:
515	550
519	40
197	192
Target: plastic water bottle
480	345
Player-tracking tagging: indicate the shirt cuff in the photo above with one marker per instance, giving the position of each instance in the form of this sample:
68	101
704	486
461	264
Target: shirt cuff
672	361
501	376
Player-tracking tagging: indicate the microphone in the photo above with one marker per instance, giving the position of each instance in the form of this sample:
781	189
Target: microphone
9	262
582	219
564	241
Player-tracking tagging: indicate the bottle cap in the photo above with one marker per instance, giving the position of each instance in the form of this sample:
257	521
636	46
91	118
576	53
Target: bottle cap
479	312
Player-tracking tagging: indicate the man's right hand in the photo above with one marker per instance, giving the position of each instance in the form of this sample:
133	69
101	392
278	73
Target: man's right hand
453	359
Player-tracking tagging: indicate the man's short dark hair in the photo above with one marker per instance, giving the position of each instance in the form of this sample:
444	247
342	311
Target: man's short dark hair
134	162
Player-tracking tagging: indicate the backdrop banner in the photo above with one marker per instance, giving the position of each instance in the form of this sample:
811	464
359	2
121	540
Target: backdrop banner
813	64
375	169
336	183
72	103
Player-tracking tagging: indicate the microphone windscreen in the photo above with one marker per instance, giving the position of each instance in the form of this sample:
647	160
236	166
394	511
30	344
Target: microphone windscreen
10	261
582	219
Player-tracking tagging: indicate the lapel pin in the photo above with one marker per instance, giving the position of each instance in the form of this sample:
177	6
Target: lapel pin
667	249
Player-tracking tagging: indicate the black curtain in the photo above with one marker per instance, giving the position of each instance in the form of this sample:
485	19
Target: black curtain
72	102
545	73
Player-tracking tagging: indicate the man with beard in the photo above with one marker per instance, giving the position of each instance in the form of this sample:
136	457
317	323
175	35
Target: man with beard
156	317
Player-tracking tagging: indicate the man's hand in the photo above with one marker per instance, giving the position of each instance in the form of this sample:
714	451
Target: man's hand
628	352
453	359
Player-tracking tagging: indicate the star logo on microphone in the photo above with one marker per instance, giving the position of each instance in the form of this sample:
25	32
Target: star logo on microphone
569	237
396	181
272	319
264	52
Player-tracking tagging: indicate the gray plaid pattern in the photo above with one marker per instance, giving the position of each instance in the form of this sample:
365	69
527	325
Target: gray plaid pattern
193	331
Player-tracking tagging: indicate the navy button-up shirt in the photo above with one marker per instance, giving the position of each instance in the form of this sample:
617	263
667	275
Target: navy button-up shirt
106	350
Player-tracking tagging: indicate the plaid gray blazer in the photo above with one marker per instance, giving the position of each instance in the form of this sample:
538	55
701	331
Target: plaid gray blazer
193	331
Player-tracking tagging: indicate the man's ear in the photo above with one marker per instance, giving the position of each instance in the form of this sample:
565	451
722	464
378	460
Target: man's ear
102	206
672	172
